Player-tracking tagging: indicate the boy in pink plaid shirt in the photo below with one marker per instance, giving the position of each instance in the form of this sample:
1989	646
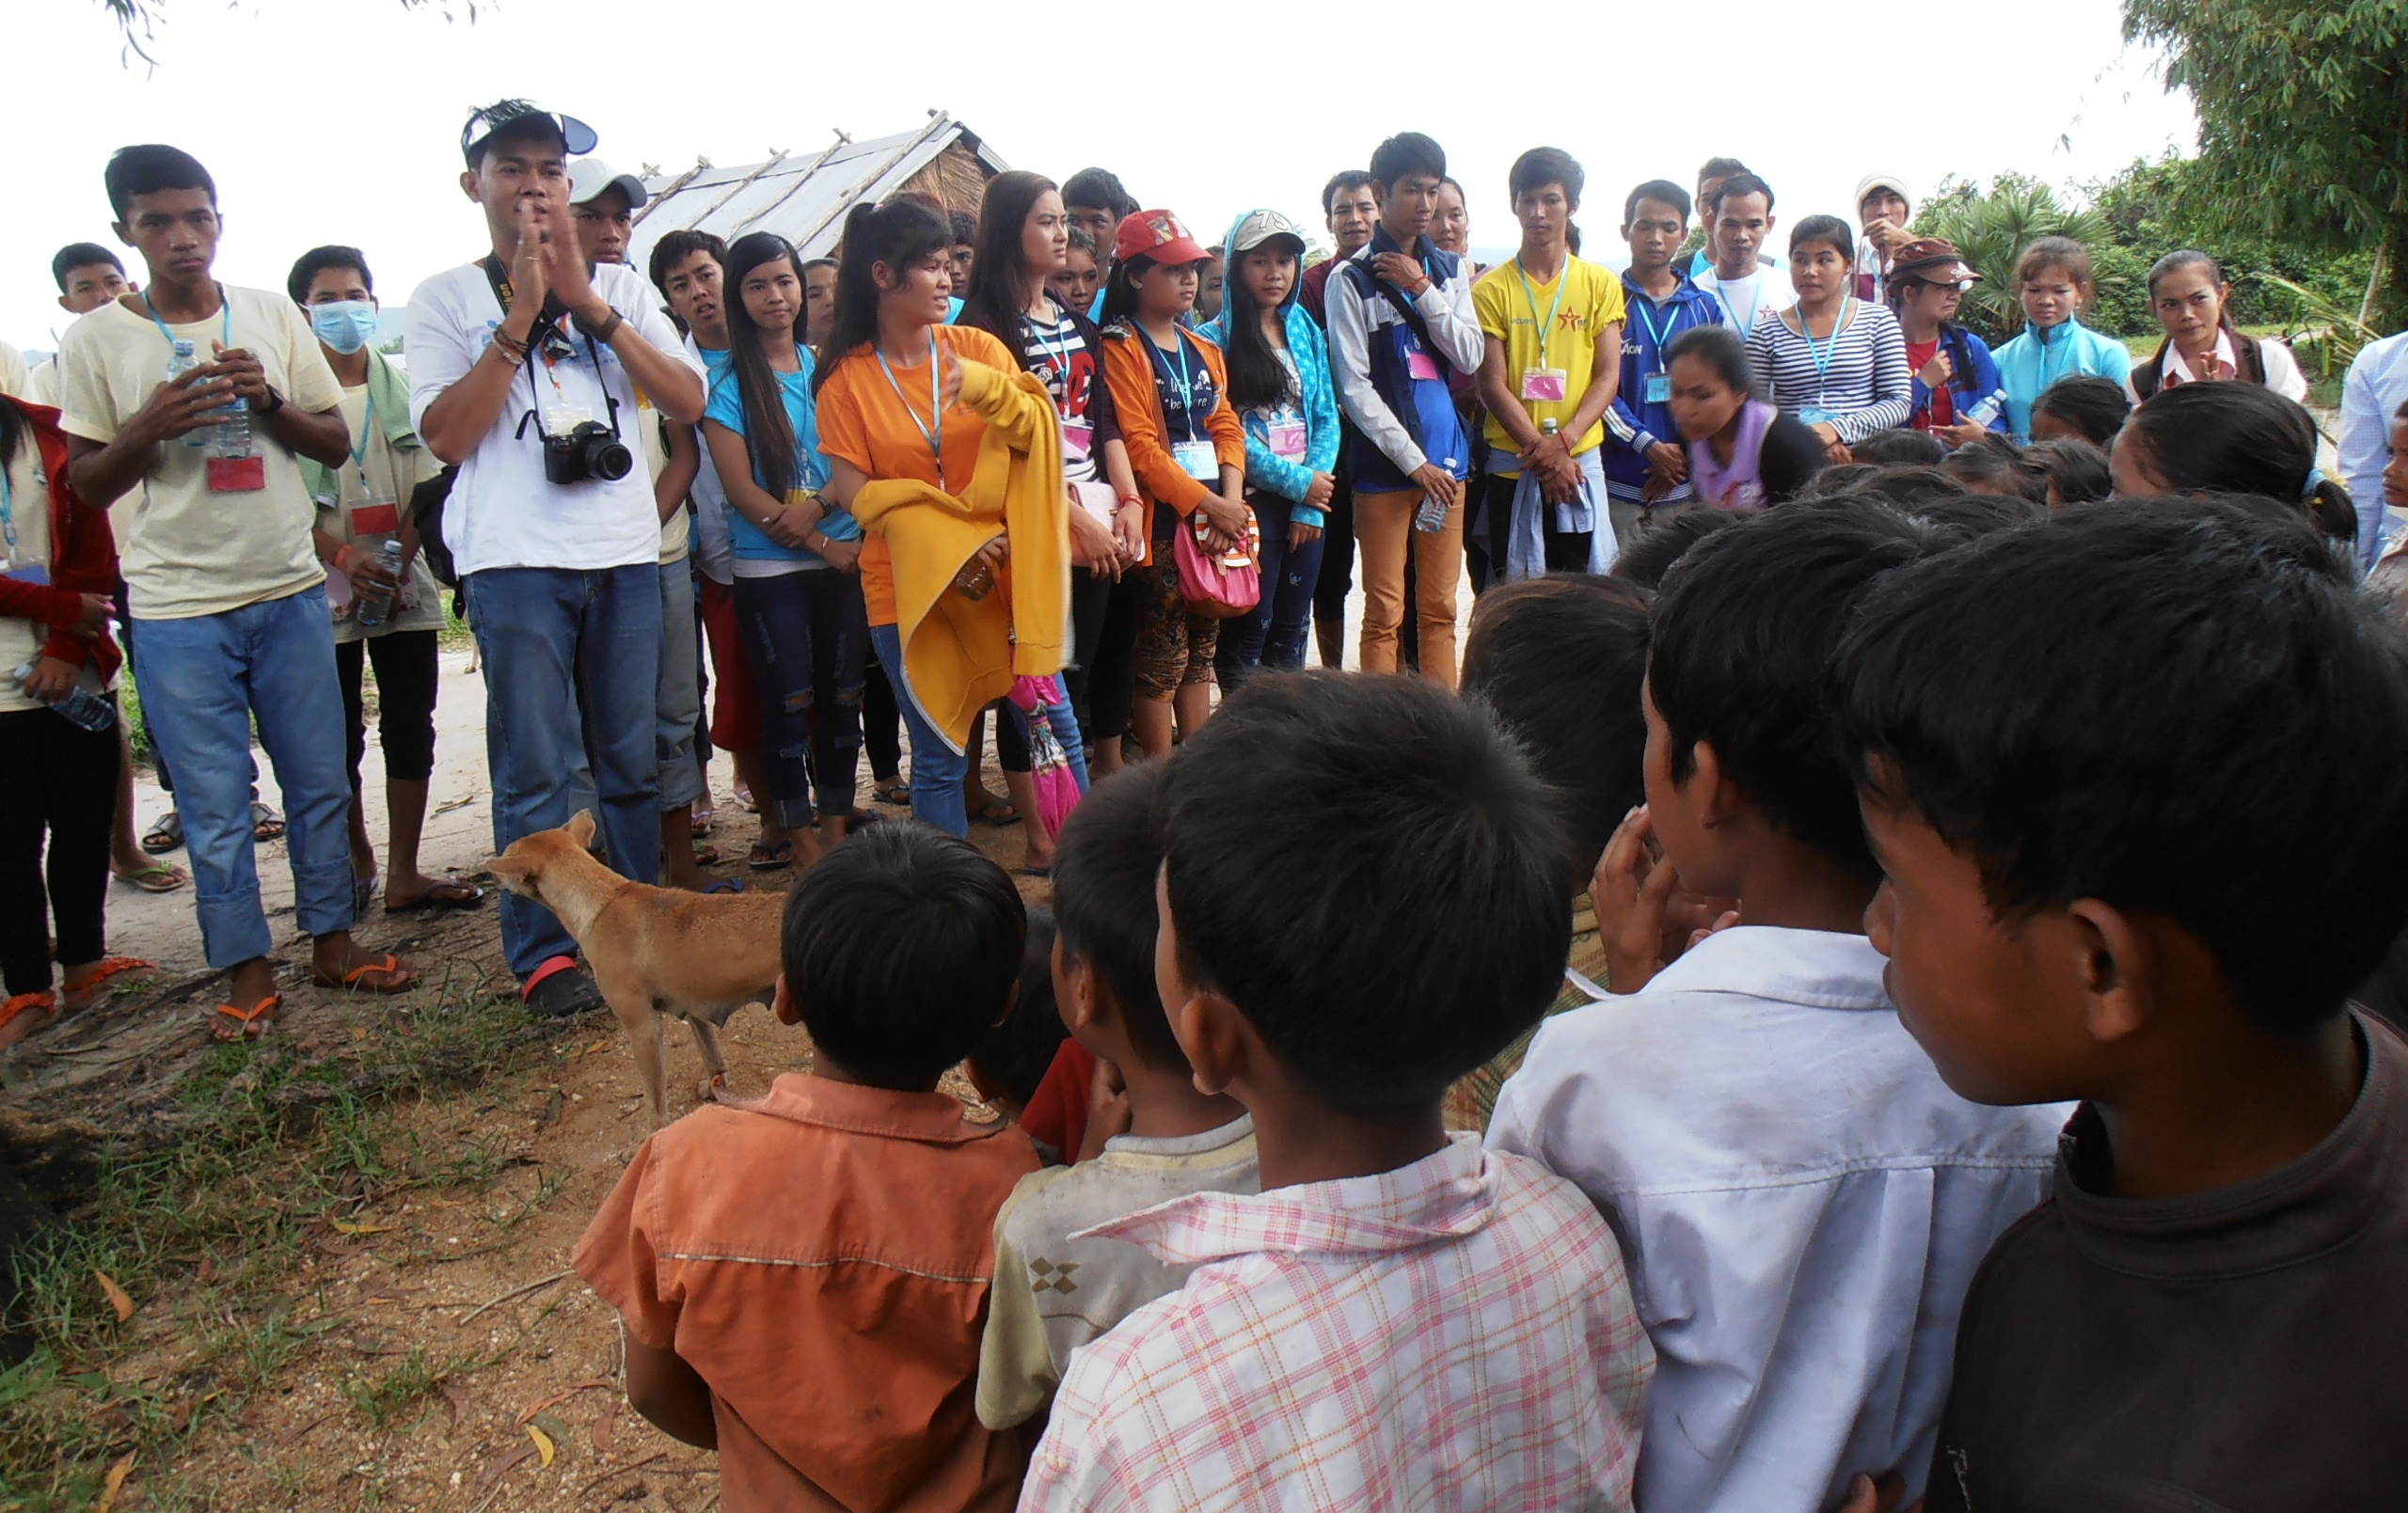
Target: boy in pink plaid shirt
1362	901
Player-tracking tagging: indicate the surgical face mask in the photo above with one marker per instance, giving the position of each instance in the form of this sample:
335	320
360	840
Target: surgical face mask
345	325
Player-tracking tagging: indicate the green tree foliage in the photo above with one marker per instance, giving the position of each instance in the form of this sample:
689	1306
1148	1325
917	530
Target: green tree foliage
1991	227
2303	120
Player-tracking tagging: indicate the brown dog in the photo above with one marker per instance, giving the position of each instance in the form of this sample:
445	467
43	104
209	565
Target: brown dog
654	951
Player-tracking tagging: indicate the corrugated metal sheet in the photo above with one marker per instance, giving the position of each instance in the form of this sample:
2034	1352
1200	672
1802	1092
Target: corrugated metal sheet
801	196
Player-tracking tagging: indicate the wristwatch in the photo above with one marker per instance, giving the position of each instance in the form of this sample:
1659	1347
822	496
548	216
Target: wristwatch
275	403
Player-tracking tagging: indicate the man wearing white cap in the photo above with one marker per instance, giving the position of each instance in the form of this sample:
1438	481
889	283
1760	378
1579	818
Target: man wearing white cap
1883	207
525	367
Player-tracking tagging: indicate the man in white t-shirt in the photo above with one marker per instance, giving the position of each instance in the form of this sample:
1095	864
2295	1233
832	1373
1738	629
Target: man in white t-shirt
88	277
1748	289
603	203
525	367
213	532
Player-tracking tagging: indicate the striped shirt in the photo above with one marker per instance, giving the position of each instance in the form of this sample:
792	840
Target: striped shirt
1456	1333
1858	380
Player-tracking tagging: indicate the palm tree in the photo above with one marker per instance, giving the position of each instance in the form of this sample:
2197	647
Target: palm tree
1991	231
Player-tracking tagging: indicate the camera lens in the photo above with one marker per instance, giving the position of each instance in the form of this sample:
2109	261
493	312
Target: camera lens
608	458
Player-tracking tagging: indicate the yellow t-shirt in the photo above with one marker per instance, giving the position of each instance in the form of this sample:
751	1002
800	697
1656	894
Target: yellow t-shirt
382	476
1592	301
184	551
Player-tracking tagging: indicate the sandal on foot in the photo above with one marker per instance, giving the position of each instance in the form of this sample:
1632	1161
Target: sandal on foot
154	877
1040	874
727	885
266	824
892	790
245	1024
996	811
446	893
767	858
165	836
398	978
81	994
707	856
25	1015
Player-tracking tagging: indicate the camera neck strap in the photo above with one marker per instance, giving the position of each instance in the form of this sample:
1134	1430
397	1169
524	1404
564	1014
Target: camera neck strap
547	318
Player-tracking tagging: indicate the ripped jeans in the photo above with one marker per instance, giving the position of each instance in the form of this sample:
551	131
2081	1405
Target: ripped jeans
806	634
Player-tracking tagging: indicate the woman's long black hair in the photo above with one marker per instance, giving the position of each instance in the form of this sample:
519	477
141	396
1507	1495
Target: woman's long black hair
1258	379
898	233
2242	438
768	433
1000	284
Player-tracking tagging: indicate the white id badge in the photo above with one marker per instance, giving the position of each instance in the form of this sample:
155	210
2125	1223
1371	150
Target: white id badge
1197	459
1659	389
1288	439
1547	385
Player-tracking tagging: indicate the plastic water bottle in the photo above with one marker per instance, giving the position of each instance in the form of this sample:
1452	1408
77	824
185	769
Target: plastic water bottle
183	357
376	604
83	707
1432	516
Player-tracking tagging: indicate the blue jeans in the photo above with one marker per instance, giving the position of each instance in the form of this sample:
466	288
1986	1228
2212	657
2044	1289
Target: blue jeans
572	661
679	704
806	637
209	677
1273	634
938	771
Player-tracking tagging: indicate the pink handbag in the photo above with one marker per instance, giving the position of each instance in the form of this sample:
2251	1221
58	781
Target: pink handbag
1220	585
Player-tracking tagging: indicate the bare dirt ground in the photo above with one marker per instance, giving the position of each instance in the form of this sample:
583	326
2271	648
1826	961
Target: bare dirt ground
345	1248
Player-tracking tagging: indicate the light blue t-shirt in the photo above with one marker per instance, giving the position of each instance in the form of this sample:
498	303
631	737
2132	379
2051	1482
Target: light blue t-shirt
751	543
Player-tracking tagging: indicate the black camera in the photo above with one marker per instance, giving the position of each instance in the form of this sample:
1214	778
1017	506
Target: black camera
587	451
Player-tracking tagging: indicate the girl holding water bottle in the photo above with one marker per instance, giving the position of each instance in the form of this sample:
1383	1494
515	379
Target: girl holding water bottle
58	742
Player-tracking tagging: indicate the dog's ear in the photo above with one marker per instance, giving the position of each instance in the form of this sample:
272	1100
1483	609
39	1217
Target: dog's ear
580	828
514	871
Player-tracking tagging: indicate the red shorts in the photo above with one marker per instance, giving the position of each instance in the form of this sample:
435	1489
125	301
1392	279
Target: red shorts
735	707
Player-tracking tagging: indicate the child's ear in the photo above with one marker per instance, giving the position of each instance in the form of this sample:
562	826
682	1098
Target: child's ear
2120	969
782	1004
1218	1042
1717	798
1078	992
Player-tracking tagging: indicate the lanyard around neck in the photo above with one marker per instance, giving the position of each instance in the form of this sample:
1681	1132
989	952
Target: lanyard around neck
1830	349
225	311
1056	347
1657	336
8	511
367	426
933	436
1546	327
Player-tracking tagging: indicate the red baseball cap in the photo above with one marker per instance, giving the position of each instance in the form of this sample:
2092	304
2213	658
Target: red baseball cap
1159	235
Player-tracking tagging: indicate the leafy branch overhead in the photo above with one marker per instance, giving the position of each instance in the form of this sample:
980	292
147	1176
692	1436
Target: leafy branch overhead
138	20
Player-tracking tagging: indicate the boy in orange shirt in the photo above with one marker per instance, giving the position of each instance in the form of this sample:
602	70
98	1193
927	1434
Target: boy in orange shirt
803	1281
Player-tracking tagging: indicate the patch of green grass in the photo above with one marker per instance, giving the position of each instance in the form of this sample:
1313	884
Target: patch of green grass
203	1222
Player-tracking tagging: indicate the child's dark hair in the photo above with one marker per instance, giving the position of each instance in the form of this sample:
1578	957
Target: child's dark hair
2242	438
2061	252
1662	191
1104	901
1996	461
768	431
149	169
1829	230
1970	514
901	947
76	255
1742	630
2142	705
898	233
1741	184
1713	168
2078	471
1719	348
1543	166
1121	287
676	247
1909	488
1899	449
1842	478
1558	660
1101	189
965	227
1667	538
1404	155
2093	405
307	268
1016	1053
1369	869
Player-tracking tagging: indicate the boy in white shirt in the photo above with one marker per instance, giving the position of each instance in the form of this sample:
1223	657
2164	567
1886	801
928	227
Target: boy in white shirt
1801	1199
525	367
1741	216
213	525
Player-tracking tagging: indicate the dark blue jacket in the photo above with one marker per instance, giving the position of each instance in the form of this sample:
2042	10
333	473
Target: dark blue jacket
1632	424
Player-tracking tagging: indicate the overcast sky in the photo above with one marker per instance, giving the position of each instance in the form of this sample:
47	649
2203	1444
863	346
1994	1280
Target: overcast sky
337	121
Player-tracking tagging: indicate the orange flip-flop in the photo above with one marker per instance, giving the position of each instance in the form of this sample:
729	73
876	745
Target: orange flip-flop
399	978
42	1005
246	1024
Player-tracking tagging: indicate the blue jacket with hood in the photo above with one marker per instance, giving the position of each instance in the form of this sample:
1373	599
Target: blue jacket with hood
1267	470
2042	354
1632	424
